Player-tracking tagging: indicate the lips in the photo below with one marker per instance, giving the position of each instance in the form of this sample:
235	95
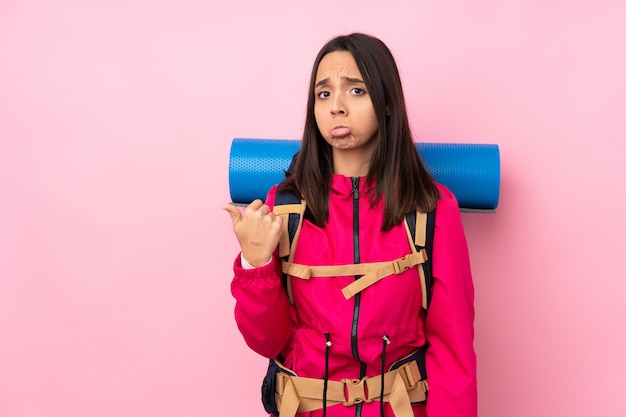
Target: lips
340	131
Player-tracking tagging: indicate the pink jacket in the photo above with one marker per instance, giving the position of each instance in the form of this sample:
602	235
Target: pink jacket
273	327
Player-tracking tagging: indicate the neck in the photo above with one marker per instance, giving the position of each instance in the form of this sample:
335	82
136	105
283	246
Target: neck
350	165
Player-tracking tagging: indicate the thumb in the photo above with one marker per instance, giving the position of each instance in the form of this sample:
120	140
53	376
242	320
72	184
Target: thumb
234	212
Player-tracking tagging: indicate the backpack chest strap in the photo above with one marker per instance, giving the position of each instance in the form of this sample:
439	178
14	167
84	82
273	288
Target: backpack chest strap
371	272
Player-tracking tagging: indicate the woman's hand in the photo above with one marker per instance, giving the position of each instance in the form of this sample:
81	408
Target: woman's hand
258	231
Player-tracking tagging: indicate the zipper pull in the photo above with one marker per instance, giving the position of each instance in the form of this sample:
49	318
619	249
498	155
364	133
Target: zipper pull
355	188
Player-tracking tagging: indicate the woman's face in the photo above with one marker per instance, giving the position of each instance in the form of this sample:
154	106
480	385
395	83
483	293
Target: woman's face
344	112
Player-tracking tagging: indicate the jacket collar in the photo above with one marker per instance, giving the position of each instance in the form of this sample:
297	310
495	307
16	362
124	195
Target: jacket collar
342	185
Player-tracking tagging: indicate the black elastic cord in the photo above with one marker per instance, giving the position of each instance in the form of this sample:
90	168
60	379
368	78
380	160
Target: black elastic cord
386	341
328	345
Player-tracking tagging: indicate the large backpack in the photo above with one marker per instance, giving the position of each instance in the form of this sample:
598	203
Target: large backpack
420	229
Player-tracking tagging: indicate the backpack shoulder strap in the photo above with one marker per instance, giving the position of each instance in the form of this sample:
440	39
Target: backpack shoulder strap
291	209
420	229
421	232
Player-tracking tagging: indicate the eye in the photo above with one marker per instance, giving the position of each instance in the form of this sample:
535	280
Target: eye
357	91
323	94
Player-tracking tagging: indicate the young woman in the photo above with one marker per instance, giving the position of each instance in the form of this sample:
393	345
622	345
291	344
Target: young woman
359	173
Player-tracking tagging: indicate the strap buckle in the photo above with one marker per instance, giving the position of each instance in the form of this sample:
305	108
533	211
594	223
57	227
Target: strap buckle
401	264
355	391
410	374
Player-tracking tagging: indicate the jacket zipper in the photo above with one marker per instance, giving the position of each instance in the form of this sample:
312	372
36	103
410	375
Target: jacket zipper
357	297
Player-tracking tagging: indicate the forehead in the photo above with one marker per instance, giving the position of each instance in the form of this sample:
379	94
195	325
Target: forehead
337	64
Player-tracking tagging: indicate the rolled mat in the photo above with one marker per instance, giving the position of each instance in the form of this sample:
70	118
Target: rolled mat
470	170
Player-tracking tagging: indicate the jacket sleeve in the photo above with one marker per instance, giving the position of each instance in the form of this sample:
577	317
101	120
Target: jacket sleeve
262	309
451	360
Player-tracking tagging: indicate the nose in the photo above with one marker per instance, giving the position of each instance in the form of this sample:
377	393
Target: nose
338	106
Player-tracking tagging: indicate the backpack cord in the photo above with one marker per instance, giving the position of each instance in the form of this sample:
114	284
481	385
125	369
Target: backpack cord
386	341
328	345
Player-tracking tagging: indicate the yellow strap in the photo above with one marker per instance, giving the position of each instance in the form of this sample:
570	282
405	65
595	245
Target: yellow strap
372	272
298	229
399	399
290	402
287	209
284	211
420	240
394	267
283	244
422	274
306	271
402	386
285	247
420	229
327	271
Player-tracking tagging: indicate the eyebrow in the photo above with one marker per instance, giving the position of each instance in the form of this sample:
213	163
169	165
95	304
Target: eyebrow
348	79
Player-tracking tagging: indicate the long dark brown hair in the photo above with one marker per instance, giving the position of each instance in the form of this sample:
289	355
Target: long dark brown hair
400	178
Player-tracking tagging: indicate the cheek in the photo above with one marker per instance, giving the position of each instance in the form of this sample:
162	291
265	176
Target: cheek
367	113
372	121
318	115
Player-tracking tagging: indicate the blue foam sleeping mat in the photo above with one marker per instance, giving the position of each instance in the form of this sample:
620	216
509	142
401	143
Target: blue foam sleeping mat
470	170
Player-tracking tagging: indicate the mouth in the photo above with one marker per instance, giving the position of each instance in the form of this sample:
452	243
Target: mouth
340	131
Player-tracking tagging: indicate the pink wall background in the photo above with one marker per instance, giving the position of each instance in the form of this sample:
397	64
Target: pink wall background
115	124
